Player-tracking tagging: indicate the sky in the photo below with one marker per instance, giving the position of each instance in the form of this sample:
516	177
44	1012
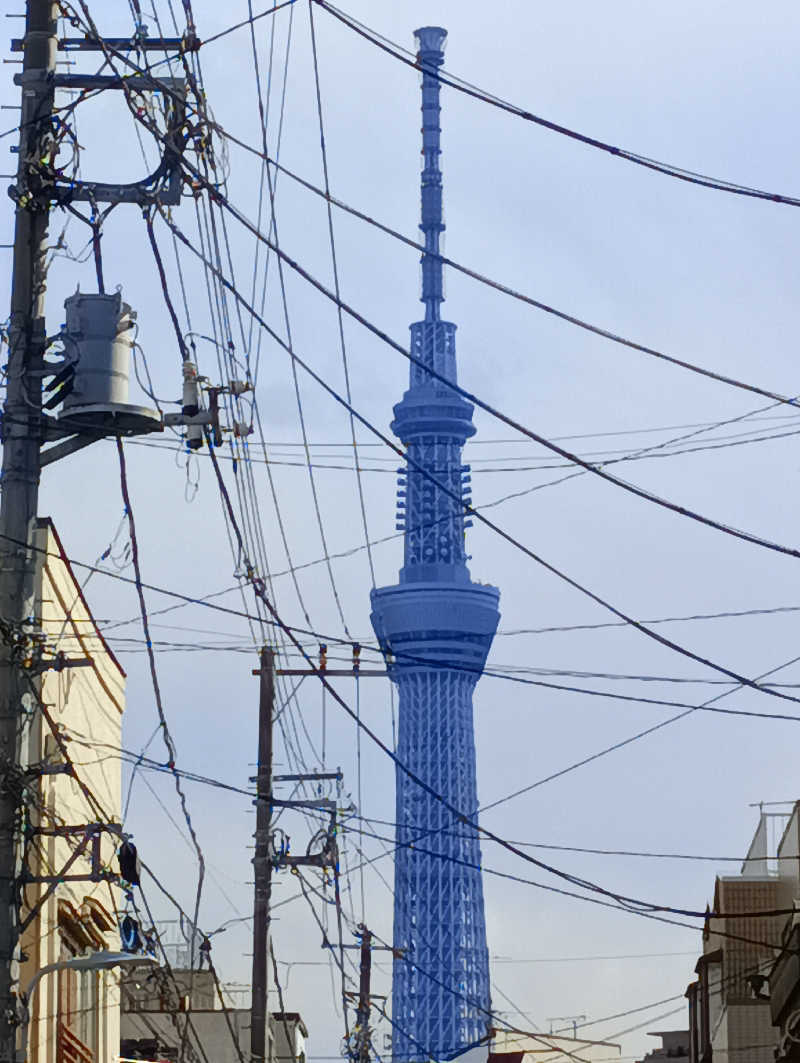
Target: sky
705	276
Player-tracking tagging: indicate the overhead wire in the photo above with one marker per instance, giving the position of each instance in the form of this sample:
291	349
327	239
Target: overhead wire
163	725
288	330
245	22
540	467
623	743
337	291
719	377
340	946
264	111
401	655
588	467
505	289
655	636
635	905
670	170
511	422
513	676
241	459
217	307
149	764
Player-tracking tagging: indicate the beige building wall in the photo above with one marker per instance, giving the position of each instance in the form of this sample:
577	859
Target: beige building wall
74	1016
552	1048
751	1037
743	1028
218	1032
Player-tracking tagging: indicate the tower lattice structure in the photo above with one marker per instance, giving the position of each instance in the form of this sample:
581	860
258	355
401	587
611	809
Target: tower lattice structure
435	626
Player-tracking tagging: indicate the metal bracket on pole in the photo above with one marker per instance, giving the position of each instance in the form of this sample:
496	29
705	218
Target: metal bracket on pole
162	186
353	673
91	837
83	439
314	776
323	671
189	43
328	855
58	663
73	437
67	447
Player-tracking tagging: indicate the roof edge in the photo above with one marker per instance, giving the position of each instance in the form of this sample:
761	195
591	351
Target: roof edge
47	524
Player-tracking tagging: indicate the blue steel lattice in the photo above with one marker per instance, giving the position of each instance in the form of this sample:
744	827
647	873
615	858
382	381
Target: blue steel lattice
435	626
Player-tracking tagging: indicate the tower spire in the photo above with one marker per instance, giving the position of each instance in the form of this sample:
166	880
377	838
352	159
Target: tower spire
431	41
435	627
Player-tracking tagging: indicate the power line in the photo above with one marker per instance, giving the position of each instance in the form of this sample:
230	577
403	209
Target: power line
245	22
540	467
150	764
599	331
337	291
636	905
481	442
473	512
475	400
294	630
624	742
261	595
668	169
498	286
165	731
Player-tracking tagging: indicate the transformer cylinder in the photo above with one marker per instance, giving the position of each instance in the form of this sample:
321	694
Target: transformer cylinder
99	337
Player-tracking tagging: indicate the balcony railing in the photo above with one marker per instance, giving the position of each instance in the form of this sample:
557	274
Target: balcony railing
70	1047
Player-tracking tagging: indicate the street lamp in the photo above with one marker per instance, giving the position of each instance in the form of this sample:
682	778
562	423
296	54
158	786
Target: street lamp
95	961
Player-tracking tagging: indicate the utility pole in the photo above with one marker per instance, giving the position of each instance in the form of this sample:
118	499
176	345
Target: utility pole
262	861
361	1055
21	436
26	423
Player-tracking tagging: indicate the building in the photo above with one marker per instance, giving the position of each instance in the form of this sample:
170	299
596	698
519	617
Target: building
288	1033
160	1010
69	904
435	627
510	1047
674	1045
729	1016
783	983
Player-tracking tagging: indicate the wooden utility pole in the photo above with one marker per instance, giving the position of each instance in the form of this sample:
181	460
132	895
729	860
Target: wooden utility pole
361	1055
262	861
22	437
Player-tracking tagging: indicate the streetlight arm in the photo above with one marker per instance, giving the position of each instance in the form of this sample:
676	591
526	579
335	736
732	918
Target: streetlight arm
96	961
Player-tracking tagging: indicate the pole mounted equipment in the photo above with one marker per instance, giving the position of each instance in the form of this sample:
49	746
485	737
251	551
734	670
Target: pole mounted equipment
91	387
435	627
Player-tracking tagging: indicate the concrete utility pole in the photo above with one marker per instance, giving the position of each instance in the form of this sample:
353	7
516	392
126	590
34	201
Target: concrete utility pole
262	862
21	437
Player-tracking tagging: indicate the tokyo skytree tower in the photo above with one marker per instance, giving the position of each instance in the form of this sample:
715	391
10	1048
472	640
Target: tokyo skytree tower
436	627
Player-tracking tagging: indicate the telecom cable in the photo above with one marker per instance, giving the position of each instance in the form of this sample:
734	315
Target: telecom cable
636	905
487	407
668	169
455	265
485	520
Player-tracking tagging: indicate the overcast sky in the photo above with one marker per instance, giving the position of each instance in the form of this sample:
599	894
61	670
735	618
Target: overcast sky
707	277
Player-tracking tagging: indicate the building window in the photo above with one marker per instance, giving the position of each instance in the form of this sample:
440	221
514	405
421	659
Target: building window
78	1009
